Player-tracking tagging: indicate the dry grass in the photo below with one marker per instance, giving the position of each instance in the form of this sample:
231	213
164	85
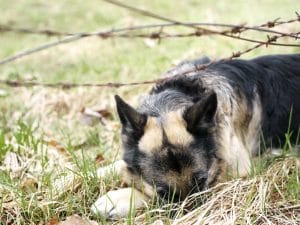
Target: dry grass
49	149
43	176
263	199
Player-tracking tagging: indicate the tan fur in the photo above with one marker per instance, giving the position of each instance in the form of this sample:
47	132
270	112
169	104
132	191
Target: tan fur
152	138
239	135
175	128
180	181
217	169
236	148
254	128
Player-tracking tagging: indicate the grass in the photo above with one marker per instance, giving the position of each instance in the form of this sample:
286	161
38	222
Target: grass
44	138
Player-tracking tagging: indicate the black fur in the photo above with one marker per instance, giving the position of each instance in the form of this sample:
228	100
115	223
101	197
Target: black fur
277	80
274	79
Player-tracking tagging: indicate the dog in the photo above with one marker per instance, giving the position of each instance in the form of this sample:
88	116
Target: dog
195	128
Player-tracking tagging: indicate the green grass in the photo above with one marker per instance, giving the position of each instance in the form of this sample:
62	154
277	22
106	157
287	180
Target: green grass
31	117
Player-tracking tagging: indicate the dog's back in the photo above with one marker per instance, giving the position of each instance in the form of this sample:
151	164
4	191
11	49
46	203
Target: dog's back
273	82
276	79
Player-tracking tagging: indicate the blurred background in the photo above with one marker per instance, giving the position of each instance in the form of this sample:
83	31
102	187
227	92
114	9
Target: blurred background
120	59
84	118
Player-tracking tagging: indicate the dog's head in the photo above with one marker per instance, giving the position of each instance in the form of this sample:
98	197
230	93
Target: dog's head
174	152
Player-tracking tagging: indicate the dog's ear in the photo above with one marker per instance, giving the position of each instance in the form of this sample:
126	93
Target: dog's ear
201	115
129	117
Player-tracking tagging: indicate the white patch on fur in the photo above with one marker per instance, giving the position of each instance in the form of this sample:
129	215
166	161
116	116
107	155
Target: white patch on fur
117	204
254	128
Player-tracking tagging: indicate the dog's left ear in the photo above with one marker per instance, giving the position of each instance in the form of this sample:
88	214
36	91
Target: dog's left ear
201	115
129	117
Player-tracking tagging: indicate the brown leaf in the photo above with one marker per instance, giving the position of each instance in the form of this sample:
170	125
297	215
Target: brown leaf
99	158
29	184
92	116
56	145
105	113
53	221
77	220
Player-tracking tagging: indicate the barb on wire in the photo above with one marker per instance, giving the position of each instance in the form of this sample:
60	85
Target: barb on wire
120	33
234	29
199	31
164	35
188	71
66	85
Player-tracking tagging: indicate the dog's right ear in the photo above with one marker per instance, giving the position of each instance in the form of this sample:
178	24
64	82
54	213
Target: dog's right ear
129	117
201	115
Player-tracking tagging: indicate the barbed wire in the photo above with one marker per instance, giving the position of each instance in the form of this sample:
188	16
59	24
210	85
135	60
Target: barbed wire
201	29
193	69
66	85
234	28
234	31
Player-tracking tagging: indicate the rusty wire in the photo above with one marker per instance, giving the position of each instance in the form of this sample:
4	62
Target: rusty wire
234	29
196	68
233	32
200	29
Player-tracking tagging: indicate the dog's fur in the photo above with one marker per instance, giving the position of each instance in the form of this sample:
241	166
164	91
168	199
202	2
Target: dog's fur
191	130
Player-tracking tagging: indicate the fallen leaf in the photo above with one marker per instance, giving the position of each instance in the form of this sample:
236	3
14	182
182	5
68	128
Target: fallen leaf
53	221
57	146
29	184
105	113
77	220
99	158
91	117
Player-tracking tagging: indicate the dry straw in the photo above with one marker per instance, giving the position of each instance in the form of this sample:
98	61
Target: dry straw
258	200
